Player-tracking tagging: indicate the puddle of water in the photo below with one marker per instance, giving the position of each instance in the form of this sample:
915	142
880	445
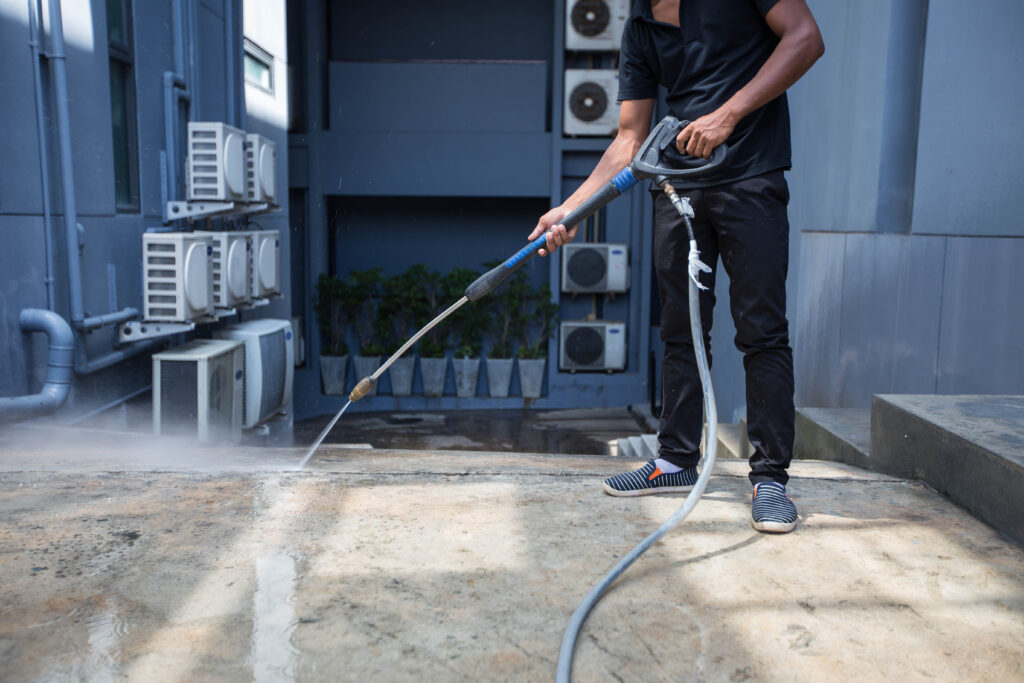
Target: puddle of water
274	658
97	659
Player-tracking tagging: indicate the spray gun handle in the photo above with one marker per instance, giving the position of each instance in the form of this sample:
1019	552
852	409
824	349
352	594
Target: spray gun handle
658	156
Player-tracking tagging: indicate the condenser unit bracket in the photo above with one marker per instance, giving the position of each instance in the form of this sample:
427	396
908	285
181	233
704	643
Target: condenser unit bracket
202	209
136	330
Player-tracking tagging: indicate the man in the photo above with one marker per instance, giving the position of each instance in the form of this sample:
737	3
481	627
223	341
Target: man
726	65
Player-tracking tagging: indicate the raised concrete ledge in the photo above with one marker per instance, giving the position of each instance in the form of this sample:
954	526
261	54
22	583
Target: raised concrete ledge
970	448
837	434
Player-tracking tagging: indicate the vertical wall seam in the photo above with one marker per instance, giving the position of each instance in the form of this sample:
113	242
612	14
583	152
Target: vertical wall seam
942	298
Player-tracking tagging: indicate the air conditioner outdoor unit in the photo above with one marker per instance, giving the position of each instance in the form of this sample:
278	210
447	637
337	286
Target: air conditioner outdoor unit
215	167
266	263
197	390
177	276
269	367
595	345
260	168
590	102
232	268
595	267
595	24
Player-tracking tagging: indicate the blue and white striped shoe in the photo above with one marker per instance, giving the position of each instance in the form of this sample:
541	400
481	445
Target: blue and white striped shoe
649	479
772	509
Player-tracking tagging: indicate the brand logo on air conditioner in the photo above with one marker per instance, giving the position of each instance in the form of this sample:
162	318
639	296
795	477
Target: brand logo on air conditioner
287	335
238	374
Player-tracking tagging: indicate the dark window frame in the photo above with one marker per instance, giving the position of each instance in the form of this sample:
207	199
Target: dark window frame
122	56
251	49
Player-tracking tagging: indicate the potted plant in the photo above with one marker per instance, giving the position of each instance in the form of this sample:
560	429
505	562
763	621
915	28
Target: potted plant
468	323
400	304
505	310
540	313
333	307
365	289
433	345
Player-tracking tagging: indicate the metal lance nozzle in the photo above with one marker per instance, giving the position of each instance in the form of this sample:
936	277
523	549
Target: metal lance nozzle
362	389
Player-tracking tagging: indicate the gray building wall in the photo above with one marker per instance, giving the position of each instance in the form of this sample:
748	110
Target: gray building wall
935	307
111	241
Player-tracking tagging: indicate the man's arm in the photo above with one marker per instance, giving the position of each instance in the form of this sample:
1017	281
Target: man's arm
634	125
800	45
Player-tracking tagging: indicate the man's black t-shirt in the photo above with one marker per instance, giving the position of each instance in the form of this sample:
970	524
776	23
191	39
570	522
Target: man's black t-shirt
717	48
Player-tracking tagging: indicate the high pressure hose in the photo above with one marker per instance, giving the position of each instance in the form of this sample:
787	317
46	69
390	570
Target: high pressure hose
695	266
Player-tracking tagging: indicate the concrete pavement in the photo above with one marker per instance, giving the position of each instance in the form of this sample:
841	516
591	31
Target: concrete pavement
126	561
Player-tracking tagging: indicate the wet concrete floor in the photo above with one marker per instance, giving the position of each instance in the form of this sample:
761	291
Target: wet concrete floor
573	432
132	561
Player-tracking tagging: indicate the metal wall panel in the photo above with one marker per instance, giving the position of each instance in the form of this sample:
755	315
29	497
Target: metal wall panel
441	164
981	342
972	89
868	317
836	111
20	183
23	269
919	291
817	333
88	68
404	96
213	73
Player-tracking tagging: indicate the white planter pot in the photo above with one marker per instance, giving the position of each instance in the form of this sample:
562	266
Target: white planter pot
531	376
499	376
401	372
467	371
333	374
433	371
364	367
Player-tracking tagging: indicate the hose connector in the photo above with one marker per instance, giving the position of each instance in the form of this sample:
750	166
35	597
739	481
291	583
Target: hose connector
362	389
682	204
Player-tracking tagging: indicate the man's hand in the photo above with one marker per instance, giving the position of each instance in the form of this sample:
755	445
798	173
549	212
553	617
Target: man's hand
701	137
558	234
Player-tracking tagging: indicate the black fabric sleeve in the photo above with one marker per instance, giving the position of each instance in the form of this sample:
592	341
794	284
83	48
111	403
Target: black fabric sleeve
763	6
636	80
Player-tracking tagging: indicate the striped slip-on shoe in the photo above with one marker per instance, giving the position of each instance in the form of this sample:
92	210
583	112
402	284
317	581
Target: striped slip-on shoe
772	510
649	479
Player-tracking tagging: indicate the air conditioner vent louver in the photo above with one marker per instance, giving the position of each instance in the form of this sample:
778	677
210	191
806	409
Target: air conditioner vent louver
595	24
232	268
197	390
260	168
177	276
215	163
590	102
595	267
593	346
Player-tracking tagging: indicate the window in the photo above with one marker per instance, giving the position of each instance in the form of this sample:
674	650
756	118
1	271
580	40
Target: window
122	105
259	67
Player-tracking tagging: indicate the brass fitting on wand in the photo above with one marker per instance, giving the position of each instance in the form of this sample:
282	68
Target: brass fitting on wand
362	389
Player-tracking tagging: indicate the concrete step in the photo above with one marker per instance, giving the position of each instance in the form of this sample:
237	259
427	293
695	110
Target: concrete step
730	438
624	448
836	434
970	448
650	442
637	444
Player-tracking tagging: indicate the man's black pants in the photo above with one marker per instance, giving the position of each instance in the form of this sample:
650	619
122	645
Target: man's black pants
746	224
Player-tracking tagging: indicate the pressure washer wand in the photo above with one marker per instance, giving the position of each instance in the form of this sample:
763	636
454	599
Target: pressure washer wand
647	163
